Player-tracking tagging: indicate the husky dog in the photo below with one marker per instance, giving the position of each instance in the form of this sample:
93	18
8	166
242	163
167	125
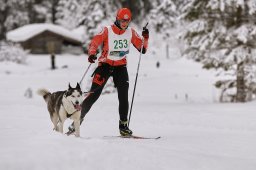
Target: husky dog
62	105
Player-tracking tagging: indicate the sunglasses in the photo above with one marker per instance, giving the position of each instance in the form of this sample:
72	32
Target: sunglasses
124	21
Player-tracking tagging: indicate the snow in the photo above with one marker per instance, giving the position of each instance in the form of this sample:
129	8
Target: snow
28	31
242	33
222	5
197	133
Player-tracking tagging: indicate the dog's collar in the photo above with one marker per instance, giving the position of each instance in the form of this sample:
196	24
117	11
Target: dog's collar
68	115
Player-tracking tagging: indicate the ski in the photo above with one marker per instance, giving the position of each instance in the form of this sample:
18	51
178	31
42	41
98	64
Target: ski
133	137
126	137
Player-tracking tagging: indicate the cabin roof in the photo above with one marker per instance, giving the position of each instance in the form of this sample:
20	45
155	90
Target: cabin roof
27	32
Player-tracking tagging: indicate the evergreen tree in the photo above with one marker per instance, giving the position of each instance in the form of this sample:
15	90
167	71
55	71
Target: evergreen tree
163	17
13	14
139	9
69	12
18	13
91	14
221	35
95	14
181	5
39	11
162	20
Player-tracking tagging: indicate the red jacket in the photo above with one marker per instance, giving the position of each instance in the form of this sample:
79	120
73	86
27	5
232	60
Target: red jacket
102	37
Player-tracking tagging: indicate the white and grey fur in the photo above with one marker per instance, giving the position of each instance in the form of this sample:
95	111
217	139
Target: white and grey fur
62	105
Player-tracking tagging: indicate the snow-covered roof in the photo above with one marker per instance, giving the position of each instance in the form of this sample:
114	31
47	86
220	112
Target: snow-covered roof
28	31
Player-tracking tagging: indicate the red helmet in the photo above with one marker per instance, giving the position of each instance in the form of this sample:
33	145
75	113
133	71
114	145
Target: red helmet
124	14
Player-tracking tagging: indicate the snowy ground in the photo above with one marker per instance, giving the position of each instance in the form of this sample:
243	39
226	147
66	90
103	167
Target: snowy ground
176	101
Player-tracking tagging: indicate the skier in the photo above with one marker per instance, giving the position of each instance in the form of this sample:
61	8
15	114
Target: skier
116	40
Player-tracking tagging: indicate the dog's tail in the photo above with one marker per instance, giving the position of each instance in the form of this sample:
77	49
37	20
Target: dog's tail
45	93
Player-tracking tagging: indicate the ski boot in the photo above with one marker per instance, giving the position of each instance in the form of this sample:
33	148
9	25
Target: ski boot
124	129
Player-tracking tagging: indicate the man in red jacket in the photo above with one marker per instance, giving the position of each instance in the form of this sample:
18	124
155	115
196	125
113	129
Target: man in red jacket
116	40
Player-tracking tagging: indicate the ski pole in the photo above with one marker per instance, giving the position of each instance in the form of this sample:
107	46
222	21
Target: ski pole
137	73
85	73
87	70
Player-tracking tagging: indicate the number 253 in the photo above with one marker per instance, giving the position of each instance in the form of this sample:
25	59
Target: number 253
120	44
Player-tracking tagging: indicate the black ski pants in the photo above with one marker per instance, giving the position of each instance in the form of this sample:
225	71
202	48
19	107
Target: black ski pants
121	81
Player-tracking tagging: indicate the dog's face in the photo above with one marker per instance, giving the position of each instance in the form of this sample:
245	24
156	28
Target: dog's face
75	96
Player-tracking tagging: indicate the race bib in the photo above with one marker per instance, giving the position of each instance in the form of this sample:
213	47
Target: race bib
119	45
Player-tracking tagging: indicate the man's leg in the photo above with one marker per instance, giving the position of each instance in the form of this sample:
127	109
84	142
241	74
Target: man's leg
96	90
121	80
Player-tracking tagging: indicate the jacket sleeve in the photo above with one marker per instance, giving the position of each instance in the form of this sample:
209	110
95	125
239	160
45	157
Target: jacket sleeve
137	42
96	41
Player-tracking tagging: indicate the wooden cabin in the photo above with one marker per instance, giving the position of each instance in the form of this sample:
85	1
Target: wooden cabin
44	38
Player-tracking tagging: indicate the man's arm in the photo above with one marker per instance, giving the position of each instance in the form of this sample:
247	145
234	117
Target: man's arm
97	41
137	41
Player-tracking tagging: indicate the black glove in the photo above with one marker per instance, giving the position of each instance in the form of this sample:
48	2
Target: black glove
145	33
92	58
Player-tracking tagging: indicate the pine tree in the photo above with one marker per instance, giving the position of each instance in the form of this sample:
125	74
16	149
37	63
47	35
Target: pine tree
95	15
13	15
18	13
221	35
90	14
163	17
68	12
181	5
139	9
40	11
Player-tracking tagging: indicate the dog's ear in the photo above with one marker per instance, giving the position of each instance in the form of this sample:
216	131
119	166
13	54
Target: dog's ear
69	87
78	86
